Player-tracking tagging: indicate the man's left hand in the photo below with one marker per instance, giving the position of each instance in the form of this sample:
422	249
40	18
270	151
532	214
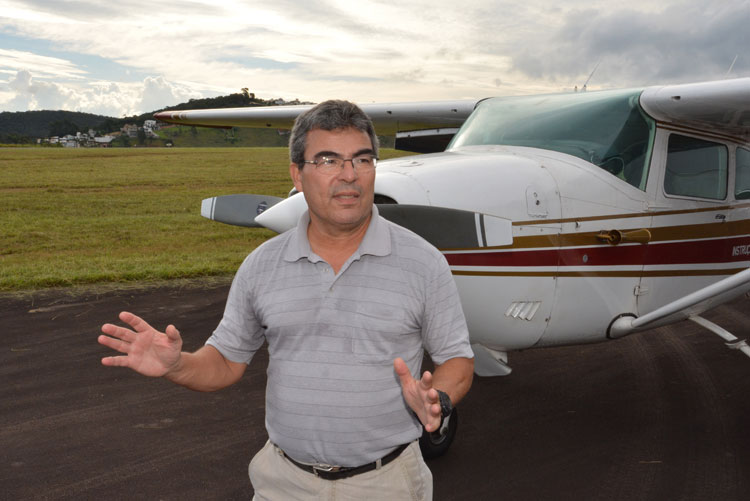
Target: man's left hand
421	397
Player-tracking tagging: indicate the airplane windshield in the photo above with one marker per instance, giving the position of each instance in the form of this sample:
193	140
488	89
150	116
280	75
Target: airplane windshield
606	128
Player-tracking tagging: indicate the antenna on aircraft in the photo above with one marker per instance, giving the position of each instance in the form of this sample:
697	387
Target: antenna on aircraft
732	65
583	89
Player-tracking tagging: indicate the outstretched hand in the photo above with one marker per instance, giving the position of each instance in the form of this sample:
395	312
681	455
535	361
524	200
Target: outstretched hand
421	397
147	351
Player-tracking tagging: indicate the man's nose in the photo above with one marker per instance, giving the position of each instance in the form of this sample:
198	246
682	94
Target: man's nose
347	170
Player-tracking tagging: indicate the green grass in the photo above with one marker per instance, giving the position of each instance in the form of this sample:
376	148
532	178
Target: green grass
182	135
84	216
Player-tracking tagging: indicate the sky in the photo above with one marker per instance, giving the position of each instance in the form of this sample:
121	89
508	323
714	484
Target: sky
134	56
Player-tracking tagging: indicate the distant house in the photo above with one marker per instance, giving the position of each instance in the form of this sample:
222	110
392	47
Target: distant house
149	126
283	102
83	138
130	129
69	141
104	141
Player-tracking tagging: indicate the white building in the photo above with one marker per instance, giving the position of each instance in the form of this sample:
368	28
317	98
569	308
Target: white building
104	141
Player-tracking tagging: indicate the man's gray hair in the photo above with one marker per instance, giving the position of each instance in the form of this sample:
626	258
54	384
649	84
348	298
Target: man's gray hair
328	115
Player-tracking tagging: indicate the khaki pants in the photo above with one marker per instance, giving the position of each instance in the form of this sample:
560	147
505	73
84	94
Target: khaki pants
274	478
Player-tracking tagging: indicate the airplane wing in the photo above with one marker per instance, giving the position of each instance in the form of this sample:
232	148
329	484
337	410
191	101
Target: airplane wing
687	307
418	126
722	105
388	118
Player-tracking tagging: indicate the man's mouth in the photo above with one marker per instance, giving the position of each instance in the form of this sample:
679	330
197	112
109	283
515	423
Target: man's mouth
346	195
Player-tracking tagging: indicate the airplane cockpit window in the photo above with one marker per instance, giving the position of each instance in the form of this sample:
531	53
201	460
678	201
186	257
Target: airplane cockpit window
607	128
742	175
696	168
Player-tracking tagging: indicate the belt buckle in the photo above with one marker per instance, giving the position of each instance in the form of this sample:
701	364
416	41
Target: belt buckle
326	468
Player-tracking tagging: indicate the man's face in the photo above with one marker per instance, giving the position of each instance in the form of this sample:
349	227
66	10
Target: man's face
340	202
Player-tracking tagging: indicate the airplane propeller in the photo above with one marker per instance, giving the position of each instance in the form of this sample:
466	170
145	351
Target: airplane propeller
443	227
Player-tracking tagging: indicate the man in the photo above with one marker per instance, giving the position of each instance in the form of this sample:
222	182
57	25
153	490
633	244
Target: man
347	302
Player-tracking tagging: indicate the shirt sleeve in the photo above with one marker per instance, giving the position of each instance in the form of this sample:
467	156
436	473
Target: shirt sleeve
444	331
239	334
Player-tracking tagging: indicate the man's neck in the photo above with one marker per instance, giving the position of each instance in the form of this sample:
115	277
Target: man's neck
335	247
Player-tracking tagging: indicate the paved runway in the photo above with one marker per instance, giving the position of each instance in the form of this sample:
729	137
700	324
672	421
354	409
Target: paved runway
658	415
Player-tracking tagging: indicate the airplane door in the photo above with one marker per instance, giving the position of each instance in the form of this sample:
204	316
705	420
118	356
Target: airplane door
692	228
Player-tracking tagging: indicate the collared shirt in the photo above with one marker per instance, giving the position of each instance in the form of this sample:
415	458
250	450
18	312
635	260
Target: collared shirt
332	395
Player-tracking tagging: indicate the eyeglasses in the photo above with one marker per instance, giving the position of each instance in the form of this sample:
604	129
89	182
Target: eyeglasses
333	165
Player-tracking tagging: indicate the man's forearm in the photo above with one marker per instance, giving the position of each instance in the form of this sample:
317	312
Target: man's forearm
205	370
454	377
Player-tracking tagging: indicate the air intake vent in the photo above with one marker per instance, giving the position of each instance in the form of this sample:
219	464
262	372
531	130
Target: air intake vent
523	310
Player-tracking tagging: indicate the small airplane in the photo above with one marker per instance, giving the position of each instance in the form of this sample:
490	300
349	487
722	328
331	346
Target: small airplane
566	218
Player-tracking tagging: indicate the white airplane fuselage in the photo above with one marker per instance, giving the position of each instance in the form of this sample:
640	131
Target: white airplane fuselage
557	283
589	209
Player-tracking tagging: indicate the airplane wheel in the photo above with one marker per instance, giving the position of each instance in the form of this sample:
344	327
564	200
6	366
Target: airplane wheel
434	444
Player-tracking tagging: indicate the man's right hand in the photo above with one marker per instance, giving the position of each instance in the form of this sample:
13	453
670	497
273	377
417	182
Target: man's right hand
147	351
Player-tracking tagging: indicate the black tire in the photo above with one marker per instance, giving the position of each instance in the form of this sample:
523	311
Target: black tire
434	444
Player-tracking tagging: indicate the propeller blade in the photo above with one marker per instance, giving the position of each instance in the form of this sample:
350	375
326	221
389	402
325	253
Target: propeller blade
238	210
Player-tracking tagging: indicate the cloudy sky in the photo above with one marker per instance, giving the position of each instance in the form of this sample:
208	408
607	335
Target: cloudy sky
132	56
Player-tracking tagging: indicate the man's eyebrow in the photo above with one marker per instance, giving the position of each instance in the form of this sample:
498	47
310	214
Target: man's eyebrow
328	153
364	151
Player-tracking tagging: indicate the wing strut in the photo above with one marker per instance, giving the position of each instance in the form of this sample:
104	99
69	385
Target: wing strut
685	307
732	341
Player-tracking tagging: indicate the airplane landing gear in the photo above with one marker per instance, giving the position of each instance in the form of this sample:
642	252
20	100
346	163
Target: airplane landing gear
437	443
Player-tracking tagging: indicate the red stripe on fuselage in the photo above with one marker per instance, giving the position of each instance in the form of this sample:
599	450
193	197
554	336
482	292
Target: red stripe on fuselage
687	252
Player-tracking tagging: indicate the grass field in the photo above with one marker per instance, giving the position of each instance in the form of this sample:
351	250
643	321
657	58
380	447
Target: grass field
83	216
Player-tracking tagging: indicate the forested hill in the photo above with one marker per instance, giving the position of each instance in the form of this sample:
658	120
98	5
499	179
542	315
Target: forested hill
40	123
17	127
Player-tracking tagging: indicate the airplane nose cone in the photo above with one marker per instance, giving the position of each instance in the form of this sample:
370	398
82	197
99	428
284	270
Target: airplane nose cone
284	215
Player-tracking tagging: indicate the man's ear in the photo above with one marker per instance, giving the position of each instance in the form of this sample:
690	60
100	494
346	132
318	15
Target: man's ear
296	174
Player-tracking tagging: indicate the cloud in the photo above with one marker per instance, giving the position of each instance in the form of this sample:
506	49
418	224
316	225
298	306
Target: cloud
380	51
157	93
242	44
31	95
46	66
685	41
24	92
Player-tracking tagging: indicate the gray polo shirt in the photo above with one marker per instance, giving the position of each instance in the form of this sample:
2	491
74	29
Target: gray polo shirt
333	396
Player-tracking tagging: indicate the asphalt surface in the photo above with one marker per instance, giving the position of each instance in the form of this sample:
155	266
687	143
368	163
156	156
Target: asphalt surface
659	415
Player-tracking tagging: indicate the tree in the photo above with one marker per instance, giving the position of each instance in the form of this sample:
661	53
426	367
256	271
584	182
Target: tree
141	136
249	96
14	138
230	135
122	140
62	128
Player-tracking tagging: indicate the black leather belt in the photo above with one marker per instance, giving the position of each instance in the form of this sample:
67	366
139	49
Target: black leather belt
339	472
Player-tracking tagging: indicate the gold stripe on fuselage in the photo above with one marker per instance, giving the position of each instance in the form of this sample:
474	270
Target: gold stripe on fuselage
603	273
658	233
631	215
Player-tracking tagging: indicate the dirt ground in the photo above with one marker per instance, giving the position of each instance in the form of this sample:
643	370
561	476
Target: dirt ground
658	415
